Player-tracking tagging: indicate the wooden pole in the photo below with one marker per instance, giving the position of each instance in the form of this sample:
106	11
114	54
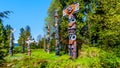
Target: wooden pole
57	33
11	43
69	12
48	38
29	41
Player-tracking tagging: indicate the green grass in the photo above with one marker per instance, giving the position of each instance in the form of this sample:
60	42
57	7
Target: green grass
89	57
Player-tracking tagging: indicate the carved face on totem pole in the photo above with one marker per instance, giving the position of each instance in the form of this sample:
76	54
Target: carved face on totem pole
70	10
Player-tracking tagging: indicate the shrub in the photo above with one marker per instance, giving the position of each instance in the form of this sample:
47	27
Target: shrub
18	49
109	60
117	51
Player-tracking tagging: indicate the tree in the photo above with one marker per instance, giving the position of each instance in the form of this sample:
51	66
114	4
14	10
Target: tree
5	14
39	41
28	30
1	40
7	36
21	39
104	24
24	35
2	34
27	33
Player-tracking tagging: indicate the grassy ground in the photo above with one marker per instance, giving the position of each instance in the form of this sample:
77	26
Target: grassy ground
89	57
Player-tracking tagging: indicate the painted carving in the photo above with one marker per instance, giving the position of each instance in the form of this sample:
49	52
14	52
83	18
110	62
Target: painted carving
57	33
29	42
69	12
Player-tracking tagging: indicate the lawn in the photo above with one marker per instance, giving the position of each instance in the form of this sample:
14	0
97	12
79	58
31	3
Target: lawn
89	57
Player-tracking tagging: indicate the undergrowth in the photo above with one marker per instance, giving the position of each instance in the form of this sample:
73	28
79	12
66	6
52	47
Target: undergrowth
89	57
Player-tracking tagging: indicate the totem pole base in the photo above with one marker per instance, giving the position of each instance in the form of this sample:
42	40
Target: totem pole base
57	53
48	52
29	52
11	53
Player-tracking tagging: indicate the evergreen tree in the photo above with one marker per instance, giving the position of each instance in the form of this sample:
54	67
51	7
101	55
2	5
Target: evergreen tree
1	40
39	41
1	34
7	36
3	14
24	35
21	40
27	31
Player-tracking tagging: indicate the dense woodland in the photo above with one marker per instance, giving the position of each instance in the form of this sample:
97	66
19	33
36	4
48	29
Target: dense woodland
98	31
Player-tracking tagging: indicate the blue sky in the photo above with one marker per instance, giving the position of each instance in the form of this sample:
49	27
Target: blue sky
26	12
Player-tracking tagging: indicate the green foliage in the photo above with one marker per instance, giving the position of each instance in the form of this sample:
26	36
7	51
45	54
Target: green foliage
103	28
103	24
109	60
116	51
5	14
1	34
52	44
4	36
24	35
33	46
89	57
4	40
63	22
17	49
7	37
21	40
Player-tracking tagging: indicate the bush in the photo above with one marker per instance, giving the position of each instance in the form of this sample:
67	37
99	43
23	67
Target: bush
17	49
1	57
109	60
116	51
33	46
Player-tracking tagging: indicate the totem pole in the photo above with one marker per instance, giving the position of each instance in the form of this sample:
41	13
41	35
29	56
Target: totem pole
48	38
11	42
29	42
57	33
69	12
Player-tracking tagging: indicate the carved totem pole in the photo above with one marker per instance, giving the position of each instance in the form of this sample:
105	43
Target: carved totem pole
11	42
57	33
69	12
29	42
48	38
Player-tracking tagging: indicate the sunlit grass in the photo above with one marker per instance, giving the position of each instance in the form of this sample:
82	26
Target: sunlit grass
88	57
